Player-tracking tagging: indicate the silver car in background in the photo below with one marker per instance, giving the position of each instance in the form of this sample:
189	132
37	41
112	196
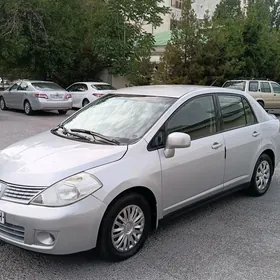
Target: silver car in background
33	96
109	173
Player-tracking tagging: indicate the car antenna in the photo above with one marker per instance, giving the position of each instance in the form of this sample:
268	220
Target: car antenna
213	83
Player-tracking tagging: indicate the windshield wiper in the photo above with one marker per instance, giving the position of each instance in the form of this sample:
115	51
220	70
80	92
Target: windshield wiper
68	132
95	134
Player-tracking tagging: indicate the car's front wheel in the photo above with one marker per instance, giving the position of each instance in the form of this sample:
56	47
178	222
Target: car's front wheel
3	104
262	176
125	227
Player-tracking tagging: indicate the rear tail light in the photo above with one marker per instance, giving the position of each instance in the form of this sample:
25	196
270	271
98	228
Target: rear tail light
68	96
41	95
98	94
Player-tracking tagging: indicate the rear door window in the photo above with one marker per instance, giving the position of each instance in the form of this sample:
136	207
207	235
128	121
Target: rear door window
233	113
253	86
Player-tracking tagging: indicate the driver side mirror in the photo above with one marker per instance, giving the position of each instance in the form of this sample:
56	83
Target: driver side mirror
176	140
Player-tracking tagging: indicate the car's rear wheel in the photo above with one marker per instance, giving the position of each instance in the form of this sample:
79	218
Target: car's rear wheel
3	104
262	176
125	228
62	112
27	108
85	102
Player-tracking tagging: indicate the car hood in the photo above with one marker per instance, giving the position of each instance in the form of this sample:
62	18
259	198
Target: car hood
45	159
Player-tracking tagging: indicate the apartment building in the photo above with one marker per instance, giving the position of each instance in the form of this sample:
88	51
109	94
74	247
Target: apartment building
200	7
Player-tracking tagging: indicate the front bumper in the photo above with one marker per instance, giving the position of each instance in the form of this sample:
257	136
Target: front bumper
74	228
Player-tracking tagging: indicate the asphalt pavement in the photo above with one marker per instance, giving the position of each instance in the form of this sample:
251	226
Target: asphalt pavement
233	238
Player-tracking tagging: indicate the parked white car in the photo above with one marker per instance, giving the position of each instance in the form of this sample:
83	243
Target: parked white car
86	92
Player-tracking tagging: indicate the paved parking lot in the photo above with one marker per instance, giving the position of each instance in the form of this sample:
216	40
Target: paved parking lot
237	237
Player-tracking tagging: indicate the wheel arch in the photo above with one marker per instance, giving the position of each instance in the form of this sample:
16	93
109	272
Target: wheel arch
85	99
271	154
260	100
143	191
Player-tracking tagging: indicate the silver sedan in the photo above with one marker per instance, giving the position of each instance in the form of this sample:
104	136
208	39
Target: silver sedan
109	173
33	96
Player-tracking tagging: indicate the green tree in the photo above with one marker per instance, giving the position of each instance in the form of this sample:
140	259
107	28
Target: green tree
179	63
227	10
68	40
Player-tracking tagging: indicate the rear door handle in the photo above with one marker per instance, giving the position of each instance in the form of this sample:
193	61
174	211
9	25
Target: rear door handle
255	134
216	146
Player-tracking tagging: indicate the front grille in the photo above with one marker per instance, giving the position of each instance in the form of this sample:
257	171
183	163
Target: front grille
20	194
12	231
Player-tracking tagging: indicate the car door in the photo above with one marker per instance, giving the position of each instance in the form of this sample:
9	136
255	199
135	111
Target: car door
19	94
198	171
242	137
276	94
10	96
267	95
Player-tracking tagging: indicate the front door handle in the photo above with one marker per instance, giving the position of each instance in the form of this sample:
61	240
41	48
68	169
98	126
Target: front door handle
255	134
216	146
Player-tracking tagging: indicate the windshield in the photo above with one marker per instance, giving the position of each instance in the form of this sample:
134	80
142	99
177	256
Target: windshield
123	117
46	86
240	85
103	87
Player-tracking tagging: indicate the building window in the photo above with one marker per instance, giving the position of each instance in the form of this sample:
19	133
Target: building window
177	4
174	24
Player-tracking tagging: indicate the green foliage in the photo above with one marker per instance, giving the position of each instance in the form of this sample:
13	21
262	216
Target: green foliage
68	40
180	61
231	45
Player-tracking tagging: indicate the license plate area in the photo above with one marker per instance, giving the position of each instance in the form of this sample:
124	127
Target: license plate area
57	97
2	217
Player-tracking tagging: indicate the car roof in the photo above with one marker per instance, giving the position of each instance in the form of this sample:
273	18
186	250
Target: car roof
92	83
175	91
34	81
252	80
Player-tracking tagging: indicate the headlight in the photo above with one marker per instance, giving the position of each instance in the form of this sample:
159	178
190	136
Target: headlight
68	190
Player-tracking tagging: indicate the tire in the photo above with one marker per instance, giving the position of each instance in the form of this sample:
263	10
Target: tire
3	104
107	243
62	112
27	108
260	184
261	103
85	102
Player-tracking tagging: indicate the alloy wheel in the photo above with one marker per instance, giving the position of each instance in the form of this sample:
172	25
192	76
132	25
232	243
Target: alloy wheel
2	104
262	175
27	108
